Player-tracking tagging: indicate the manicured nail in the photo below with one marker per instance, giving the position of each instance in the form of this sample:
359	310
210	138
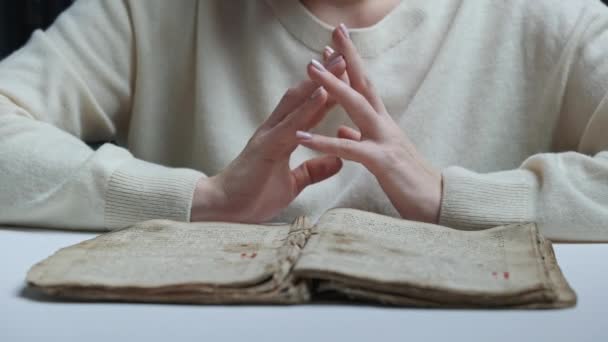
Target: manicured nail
316	93
329	50
344	30
318	65
303	135
334	60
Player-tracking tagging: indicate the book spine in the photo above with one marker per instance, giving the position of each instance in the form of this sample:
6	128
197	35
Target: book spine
295	291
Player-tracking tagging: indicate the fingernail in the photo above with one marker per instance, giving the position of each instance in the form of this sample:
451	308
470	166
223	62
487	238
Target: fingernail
318	65
334	60
329	50
303	135
316	93
344	30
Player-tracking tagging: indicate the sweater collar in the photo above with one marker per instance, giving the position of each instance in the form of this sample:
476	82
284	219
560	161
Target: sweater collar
370	41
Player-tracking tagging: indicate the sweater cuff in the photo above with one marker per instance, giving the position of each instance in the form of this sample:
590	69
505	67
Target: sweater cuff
473	201
140	191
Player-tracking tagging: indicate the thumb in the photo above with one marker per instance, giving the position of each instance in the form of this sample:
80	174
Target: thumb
314	171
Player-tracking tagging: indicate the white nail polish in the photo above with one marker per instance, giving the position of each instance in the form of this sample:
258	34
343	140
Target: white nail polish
316	93
329	50
344	30
303	135
317	65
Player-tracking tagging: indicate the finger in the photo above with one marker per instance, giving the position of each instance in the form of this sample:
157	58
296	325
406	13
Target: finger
296	96
332	102
314	171
304	116
328	52
292	99
355	67
346	132
357	107
343	148
317	117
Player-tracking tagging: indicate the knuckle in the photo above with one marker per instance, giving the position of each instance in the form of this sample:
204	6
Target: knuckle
391	155
289	125
282	137
255	142
291	122
269	146
342	146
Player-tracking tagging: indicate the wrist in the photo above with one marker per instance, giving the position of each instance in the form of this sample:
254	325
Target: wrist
415	190
422	200
208	202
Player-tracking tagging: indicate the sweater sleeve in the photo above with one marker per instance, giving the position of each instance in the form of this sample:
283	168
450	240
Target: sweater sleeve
70	86
565	192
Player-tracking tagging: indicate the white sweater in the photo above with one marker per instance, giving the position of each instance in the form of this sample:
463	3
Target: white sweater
508	98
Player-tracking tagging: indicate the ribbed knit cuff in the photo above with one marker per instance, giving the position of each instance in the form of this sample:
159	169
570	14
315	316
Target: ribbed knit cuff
141	191
474	201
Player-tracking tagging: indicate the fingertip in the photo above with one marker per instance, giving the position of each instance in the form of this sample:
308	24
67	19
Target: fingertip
319	96
344	30
324	95
303	136
328	52
339	162
332	165
340	133
320	74
318	92
345	132
339	38
313	72
336	167
337	33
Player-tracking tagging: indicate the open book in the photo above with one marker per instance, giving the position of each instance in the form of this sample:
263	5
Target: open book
347	255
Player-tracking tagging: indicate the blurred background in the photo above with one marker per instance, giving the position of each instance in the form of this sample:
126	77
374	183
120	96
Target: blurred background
18	18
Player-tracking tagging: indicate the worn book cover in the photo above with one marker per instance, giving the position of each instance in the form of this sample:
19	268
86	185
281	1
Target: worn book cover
348	255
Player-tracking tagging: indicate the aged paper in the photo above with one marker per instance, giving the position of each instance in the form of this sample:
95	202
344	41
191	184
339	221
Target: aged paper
171	261
356	254
376	257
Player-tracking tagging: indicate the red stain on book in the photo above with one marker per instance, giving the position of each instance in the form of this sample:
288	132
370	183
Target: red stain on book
506	275
246	256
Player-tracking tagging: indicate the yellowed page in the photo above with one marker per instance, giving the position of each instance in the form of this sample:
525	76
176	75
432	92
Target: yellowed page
426	261
164	260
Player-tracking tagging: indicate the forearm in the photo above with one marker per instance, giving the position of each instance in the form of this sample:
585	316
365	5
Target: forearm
49	178
565	194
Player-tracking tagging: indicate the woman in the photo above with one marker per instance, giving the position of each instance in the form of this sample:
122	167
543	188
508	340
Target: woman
483	113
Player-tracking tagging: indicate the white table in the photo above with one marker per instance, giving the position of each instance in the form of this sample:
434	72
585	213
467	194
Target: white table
24	316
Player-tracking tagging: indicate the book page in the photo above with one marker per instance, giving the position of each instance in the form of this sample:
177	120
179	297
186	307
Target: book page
174	259
397	255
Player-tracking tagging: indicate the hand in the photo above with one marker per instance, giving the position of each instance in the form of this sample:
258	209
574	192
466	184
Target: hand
329	55
258	184
412	185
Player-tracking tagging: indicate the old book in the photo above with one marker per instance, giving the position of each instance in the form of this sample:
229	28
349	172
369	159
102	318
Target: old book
348	255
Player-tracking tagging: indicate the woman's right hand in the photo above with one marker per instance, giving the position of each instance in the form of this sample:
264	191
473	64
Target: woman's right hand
259	183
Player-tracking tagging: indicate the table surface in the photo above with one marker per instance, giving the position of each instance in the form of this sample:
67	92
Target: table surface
26	316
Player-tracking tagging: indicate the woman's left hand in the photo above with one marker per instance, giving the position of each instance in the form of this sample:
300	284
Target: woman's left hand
410	182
